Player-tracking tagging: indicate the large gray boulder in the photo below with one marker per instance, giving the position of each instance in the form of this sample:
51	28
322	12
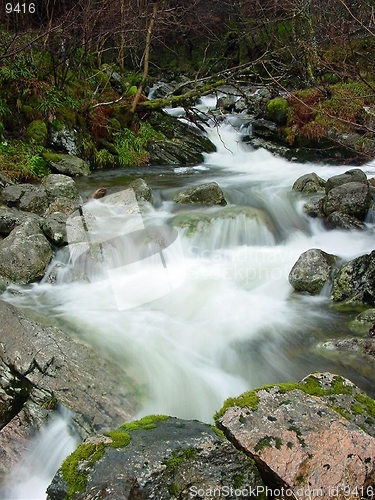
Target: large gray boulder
24	254
355	281
313	438
351	198
354	175
156	458
10	218
312	271
60	186
42	366
205	194
26	197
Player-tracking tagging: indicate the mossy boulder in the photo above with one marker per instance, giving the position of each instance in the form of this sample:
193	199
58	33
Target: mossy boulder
66	164
308	436
277	110
354	282
37	132
204	194
309	183
156	457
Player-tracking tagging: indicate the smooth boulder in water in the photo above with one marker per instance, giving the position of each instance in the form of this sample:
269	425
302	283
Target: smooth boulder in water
311	271
205	194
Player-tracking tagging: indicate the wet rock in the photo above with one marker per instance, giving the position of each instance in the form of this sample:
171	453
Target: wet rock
338	220
69	165
226	102
314	207
169	152
26	197
355	281
162	459
354	175
141	190
98	193
51	367
266	129
309	183
311	438
363	322
54	227
206	194
312	271
24	254
240	105
184	144
63	138
352	198
60	186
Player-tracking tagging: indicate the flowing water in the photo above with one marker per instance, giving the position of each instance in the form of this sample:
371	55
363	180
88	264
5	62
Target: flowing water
233	323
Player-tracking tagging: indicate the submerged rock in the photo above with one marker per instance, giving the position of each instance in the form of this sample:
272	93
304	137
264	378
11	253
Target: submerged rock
205	194
312	271
311	438
157	457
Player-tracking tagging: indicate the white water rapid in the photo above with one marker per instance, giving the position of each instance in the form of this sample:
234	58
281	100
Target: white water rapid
234	322
49	447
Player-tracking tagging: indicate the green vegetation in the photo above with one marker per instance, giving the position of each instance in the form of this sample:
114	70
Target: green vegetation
310	386
24	162
120	438
179	456
75	476
147	423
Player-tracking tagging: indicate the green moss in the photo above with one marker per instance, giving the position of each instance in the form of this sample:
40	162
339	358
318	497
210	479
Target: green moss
218	432
179	456
340	411
120	438
310	386
37	133
277	110
144	423
72	471
174	489
368	403
51	157
238	480
268	442
357	408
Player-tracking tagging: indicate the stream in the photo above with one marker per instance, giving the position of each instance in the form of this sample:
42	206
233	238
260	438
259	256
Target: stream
233	323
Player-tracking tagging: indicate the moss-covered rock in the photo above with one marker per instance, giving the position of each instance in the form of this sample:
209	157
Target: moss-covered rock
277	110
305	434
156	457
37	133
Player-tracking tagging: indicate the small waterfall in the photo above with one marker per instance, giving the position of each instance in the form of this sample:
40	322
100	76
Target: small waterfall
49	447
